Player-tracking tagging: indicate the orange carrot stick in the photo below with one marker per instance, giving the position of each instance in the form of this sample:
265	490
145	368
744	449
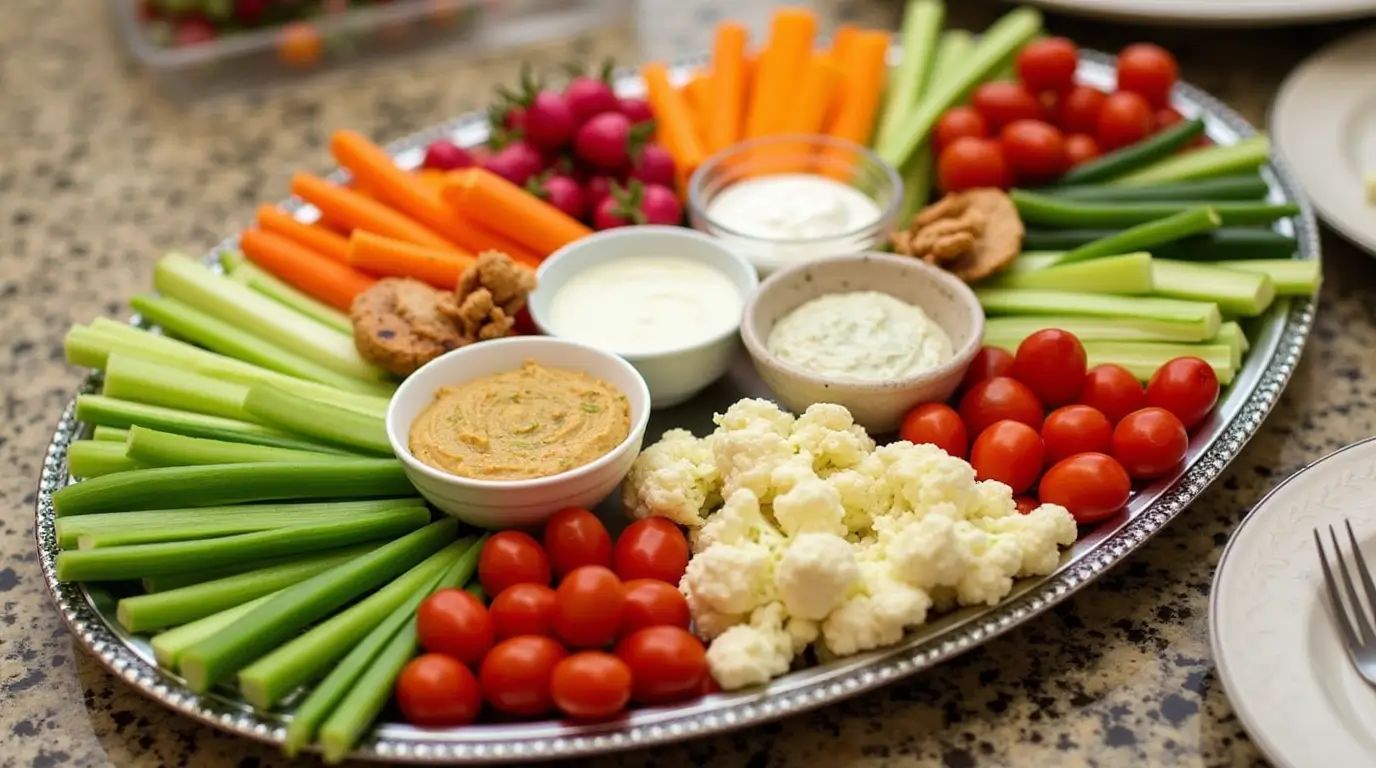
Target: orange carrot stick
865	68
819	82
729	81
397	258
697	92
843	42
673	119
317	275
791	36
431	179
316	237
360	212
510	211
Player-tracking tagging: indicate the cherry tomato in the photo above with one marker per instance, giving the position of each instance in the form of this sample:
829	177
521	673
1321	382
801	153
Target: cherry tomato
968	163
1034	149
591	685
653	548
987	363
574	537
438	691
1051	362
454	623
1126	118
1026	504
1149	71
587	607
1113	391
1080	148
1077	110
668	664
1002	102
937	424
1185	386
1075	429
523	609
515	674
1091	486
999	398
1048	64
299	44
1010	452
511	557
1150	442
1166	117
653	603
957	123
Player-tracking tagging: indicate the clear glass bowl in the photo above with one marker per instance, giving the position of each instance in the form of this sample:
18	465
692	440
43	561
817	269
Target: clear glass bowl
797	222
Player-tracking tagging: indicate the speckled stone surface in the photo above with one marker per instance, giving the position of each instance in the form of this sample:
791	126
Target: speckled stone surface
98	176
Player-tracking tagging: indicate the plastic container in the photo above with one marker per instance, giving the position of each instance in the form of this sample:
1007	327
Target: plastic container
332	41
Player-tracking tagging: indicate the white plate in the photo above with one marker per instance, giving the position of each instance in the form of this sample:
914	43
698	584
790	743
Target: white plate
1323	123
1251	12
1277	651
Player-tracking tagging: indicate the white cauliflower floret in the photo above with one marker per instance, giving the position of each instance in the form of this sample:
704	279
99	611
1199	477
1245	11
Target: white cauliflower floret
709	623
815	574
878	616
1040	534
829	434
803	632
864	491
755	414
994	560
754	653
927	480
747	458
675	478
995	500
804	502
923	550
730	578
739	521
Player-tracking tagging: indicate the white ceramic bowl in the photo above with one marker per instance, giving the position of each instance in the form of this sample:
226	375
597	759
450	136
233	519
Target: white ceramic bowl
675	375
499	504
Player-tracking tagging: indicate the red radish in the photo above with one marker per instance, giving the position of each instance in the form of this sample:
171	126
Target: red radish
193	31
596	189
661	205
514	119
549	122
516	162
604	141
610	214
589	97
638	203
638	110
654	165
445	155
562	192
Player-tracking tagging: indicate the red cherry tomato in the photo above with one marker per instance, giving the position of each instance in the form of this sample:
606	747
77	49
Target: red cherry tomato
1002	102
1075	429
1185	386
437	691
523	609
1149	71
1091	486
668	664
1113	391
1166	117
1051	362
591	685
1034	149
588	606
1126	118
1150	442
454	623
1026	504
1080	148
1048	64
937	424
515	674
997	399
653	603
1010	452
1077	110
957	123
653	548
574	537
969	163
987	363
511	557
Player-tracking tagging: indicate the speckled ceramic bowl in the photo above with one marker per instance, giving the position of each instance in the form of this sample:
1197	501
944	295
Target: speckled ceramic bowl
878	406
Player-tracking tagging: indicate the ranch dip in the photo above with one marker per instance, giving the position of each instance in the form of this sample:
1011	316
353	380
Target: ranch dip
646	304
866	335
800	215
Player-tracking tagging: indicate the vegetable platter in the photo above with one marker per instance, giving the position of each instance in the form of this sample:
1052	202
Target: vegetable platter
97	617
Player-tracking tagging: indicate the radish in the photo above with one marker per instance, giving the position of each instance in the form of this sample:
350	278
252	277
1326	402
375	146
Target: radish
549	123
193	31
596	189
638	110
562	192
605	141
516	162
660	205
590	96
654	165
445	155
637	203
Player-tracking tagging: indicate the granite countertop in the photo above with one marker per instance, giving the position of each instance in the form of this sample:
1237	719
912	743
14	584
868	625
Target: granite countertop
99	175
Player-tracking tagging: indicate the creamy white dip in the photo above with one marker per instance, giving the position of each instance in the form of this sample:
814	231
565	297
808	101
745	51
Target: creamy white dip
645	305
797	215
865	335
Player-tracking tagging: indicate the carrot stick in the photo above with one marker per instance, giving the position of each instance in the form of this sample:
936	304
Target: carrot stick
316	237
431	179
729	73
397	258
360	212
865	68
698	94
673	118
843	42
317	275
791	37
819	83
512	212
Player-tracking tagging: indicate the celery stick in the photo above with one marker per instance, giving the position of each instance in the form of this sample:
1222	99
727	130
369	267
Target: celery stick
1039	210
1246	294
1246	155
954	47
1202	317
1292	277
1230	335
264	682
151	448
218	657
180	278
1019	327
168	646
94	458
142	613
1033	261
215	484
1144	237
109	434
169	581
356	691
1143	359
1127	274
137	561
122	414
142	381
242	271
922	21
294	413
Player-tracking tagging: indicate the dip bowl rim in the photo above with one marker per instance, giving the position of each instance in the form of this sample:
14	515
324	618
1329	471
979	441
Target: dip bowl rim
399	438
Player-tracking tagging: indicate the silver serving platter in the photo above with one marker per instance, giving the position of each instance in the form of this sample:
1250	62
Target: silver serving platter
1277	340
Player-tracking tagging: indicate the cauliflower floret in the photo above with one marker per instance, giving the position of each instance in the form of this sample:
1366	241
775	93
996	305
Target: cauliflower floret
675	478
804	502
829	434
746	459
755	414
865	492
803	632
730	578
994	560
815	574
709	623
927	480
754	653
879	615
1040	534
739	521
923	551
995	500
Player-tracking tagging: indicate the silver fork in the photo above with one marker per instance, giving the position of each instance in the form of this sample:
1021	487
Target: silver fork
1354	621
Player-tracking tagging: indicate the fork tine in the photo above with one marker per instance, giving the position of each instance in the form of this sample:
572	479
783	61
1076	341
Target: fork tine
1367	584
1358	614
1335	599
